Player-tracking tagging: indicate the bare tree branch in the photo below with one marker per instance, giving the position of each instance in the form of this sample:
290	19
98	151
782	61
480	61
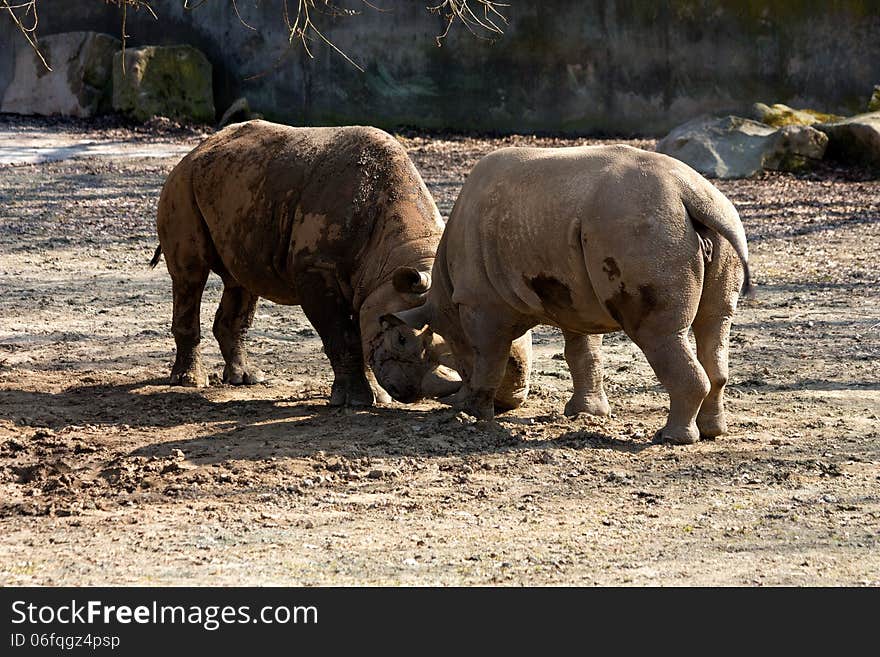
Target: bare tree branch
461	10
28	32
482	18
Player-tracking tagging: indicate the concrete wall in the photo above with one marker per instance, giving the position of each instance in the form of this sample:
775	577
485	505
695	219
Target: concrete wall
10	41
589	66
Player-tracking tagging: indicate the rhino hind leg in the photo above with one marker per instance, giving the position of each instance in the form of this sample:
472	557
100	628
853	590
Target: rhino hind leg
712	335
721	284
231	323
584	357
684	379
332	316
185	326
189	252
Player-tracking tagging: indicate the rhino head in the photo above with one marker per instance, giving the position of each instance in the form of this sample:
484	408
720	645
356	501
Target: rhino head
409	362
514	388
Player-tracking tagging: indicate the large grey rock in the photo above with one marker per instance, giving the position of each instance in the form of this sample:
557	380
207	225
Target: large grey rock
734	147
171	81
79	83
855	140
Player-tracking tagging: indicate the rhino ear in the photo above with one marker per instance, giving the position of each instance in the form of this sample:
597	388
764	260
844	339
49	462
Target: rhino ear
416	318
410	279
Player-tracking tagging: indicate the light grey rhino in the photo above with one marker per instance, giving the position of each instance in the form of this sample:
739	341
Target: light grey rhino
592	240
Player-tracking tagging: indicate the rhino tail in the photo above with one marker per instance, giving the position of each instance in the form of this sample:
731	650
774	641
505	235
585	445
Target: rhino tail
713	210
156	256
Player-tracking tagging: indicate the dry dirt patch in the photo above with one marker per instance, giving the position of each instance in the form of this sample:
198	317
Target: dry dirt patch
109	476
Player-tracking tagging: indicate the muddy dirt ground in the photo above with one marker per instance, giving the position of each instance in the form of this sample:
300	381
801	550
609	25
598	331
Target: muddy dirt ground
110	476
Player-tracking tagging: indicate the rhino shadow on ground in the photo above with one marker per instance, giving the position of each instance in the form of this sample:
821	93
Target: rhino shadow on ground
109	404
295	426
302	424
321	430
580	439
376	432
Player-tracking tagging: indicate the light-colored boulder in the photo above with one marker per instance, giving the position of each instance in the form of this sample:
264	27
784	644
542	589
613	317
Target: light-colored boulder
170	81
734	147
779	115
79	83
874	103
855	140
795	148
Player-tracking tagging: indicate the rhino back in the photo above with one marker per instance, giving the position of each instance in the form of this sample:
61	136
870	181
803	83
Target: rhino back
538	227
279	200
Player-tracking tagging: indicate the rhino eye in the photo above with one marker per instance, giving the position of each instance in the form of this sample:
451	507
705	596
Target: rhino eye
401	340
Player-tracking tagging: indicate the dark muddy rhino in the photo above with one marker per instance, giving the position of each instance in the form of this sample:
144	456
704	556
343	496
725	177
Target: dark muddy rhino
336	220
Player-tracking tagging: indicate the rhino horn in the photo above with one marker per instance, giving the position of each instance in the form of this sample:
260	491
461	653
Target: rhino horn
410	279
440	382
416	318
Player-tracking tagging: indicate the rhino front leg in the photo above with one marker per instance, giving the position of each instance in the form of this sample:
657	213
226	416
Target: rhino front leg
583	353
491	340
332	317
231	323
514	389
185	326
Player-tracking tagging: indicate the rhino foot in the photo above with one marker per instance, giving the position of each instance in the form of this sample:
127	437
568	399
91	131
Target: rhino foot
348	394
238	376
592	405
194	377
712	426
507	400
687	436
480	404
